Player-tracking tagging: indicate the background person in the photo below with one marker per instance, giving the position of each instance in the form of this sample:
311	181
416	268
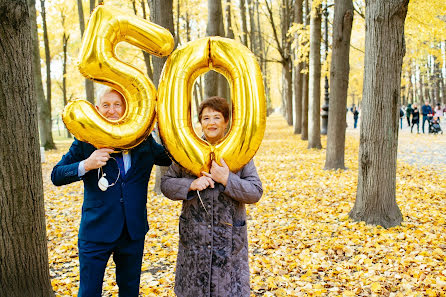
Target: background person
213	246
355	117
409	111
415	119
426	110
113	221
438	112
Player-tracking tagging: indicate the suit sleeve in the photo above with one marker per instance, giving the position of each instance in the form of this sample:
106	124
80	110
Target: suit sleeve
246	188
66	171
159	153
176	187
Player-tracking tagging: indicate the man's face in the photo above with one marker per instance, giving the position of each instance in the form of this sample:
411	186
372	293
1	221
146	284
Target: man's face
426	103
111	105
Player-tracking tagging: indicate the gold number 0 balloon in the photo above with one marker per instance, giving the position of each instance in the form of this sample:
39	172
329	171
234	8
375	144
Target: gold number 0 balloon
106	28
239	66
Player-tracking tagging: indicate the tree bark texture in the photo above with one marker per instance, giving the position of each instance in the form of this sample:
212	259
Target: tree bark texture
89	87
314	85
65	39
23	249
161	13
47	139
43	112
244	33
147	56
252	27
229	31
287	74
304	134
384	51
215	83
261	54
297	104
287	89
339	74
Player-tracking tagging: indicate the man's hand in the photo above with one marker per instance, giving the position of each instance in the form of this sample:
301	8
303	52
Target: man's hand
219	173
201	183
97	159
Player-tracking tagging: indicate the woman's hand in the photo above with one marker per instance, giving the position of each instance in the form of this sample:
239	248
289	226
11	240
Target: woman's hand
219	173
201	183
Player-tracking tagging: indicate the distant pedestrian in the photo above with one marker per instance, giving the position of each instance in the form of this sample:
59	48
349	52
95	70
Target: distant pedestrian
355	116
409	111
415	119
438	112
401	116
426	110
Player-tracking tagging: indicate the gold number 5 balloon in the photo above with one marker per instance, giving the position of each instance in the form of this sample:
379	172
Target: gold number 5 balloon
239	66
97	61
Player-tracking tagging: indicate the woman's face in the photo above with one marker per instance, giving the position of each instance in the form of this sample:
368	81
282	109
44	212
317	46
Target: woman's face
213	124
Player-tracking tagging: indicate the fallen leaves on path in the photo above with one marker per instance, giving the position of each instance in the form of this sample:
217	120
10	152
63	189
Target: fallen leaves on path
302	242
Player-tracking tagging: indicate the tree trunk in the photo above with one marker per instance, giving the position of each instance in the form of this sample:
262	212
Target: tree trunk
304	135
229	31
188	27
339	74
409	90
437	81
215	84
177	33
89	88
161	13
384	51
287	74
252	25
244	32
314	85
64	71
297	104
262	56
287	90
23	243
47	135
147	56
43	112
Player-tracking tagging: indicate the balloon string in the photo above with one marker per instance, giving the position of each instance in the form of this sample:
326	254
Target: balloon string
198	192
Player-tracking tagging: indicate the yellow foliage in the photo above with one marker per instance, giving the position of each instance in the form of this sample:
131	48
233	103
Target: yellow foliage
301	241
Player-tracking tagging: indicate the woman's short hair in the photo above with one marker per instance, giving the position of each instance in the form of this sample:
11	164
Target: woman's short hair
216	103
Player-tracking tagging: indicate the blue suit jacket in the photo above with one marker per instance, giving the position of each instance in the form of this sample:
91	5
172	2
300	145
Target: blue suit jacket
104	213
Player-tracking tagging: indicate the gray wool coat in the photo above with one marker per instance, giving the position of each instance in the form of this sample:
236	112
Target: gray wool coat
213	247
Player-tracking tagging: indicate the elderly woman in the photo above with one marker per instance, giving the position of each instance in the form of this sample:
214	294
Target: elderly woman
213	248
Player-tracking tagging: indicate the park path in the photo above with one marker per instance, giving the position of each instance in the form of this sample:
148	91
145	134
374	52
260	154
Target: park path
422	150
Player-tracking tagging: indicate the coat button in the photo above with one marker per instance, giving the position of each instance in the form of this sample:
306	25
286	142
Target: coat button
121	200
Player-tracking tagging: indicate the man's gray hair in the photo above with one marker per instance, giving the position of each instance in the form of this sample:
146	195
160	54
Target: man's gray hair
101	90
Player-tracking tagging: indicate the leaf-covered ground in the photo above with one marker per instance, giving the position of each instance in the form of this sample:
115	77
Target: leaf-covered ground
302	242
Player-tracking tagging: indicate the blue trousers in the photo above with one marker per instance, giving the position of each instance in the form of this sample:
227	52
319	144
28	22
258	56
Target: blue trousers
424	120
93	258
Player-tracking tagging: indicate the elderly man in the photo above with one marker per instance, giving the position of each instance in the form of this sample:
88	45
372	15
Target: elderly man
114	218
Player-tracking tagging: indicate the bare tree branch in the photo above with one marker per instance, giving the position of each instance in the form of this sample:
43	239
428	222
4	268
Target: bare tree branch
273	25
